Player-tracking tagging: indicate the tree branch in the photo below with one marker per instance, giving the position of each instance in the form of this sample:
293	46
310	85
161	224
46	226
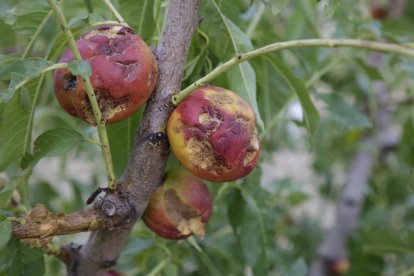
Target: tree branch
332	252
145	169
279	46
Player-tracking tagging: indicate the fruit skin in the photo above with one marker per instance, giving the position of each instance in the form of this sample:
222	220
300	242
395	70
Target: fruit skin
213	134
124	74
378	12
338	267
180	207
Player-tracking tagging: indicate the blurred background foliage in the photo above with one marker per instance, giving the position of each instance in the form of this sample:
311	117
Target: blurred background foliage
272	221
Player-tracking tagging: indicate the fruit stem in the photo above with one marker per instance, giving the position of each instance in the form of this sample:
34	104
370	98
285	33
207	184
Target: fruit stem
278	46
114	11
103	136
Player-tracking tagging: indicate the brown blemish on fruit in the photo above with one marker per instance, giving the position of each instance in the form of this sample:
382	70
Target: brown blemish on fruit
68	82
108	105
180	207
108	31
179	210
219	134
200	153
219	98
123	67
186	218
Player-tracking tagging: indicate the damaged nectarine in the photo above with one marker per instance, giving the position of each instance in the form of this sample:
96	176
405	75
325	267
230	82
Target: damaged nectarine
124	73
180	207
213	134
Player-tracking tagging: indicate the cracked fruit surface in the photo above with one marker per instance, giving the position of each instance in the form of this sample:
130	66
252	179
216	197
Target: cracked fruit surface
124	74
180	207
213	134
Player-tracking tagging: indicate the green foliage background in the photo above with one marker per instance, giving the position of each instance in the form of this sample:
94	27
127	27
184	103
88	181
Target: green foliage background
254	227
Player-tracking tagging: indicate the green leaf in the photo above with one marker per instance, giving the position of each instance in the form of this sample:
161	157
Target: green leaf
80	67
346	116
60	41
20	73
298	268
242	78
16	125
252	230
247	222
311	115
25	261
56	142
373	72
139	15
26	16
5	230
121	137
7	192
235	209
329	9
278	6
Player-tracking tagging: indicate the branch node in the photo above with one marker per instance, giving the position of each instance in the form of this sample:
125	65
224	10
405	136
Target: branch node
108	207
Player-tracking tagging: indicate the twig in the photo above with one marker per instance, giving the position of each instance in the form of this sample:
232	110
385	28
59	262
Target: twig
103	136
42	224
278	46
114	11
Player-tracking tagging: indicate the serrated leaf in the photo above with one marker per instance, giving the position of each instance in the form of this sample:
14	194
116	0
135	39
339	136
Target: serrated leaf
15	126
20	73
311	114
242	78
5	230
7	192
55	142
80	67
345	115
24	260
27	16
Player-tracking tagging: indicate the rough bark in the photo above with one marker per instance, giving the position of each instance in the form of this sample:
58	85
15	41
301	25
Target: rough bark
145	169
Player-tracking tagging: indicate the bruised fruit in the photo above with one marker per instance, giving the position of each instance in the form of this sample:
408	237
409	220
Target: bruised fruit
213	134
180	207
124	73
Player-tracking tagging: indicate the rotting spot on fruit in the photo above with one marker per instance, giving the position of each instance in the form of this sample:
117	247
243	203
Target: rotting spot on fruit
180	207
69	82
121	83
213	134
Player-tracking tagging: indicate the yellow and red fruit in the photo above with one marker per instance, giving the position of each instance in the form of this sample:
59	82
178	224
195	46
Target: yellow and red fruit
180	207
213	134
124	74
